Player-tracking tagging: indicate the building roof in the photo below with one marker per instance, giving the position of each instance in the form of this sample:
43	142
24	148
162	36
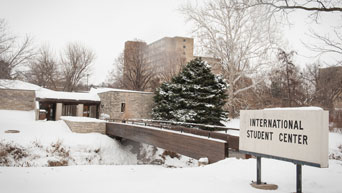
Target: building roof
102	90
70	96
47	94
18	85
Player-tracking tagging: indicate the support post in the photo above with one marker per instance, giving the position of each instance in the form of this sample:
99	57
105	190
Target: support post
262	185
59	109
299	178
258	170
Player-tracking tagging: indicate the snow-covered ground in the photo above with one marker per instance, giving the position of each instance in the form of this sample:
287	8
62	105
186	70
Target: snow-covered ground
229	175
41	142
26	142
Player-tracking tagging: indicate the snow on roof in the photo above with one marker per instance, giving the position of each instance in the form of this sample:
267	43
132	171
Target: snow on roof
18	85
102	90
297	108
44	93
50	94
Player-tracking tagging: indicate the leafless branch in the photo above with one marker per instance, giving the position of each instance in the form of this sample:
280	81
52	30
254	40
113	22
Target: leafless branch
76	62
44	69
13	54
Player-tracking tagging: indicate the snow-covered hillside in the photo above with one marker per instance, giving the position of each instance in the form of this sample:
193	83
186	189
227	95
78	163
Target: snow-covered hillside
26	142
40	143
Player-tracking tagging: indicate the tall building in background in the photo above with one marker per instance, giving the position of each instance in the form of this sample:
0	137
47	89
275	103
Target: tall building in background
180	49
165	56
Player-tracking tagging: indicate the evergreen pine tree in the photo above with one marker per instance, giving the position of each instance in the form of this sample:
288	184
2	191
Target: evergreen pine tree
196	95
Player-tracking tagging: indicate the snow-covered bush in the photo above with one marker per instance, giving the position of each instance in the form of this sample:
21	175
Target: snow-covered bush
196	95
104	116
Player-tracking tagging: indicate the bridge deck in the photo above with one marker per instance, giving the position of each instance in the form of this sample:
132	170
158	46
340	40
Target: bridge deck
189	144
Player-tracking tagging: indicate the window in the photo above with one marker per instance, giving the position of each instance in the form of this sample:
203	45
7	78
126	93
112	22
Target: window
184	46
69	110
184	40
89	111
123	107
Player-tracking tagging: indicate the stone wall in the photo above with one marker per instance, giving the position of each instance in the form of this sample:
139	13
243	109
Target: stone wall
86	127
22	100
138	105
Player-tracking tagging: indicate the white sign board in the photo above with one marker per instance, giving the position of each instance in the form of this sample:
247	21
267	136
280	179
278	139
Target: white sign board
292	134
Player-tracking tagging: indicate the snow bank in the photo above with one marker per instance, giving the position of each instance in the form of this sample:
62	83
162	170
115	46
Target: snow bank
151	155
14	116
81	119
229	175
45	141
335	146
40	143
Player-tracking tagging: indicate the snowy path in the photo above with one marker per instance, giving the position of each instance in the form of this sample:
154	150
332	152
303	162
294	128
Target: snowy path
230	175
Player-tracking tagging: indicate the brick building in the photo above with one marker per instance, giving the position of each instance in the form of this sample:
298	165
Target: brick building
52	105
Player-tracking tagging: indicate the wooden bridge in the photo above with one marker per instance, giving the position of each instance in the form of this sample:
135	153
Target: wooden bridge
190	142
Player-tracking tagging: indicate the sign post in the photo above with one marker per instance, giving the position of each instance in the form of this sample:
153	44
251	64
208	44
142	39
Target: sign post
299	178
258	170
297	135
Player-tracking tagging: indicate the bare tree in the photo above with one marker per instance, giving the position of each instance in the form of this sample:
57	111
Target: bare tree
289	80
115	76
137	73
322	44
310	75
44	69
75	63
240	37
13	54
314	7
307	5
327	44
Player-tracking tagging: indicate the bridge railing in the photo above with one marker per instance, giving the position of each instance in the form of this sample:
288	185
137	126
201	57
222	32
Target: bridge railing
233	141
144	121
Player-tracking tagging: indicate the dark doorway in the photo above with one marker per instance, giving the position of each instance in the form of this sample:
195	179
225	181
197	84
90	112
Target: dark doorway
50	110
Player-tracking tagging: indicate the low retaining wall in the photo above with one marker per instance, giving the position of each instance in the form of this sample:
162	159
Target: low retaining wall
85	125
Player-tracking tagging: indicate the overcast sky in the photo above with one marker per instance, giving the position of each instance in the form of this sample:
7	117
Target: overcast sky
105	25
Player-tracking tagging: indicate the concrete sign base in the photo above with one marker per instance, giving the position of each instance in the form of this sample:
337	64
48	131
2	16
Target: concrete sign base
264	186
